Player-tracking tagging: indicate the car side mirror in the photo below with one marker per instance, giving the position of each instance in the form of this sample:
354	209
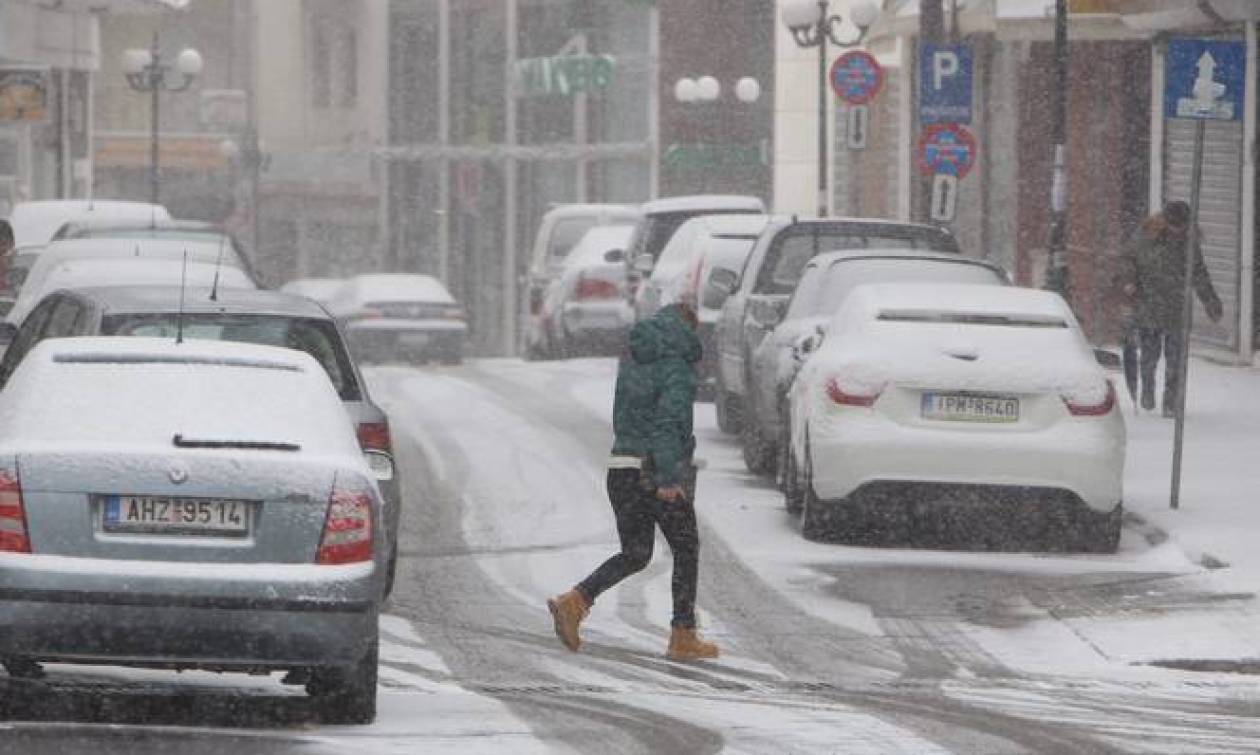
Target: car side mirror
1108	359
721	284
381	464
808	343
615	255
643	264
7	332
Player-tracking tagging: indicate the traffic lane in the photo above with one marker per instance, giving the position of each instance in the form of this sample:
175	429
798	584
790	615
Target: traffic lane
494	643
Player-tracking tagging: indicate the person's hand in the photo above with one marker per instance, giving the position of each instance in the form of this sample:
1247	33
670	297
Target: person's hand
671	493
1214	310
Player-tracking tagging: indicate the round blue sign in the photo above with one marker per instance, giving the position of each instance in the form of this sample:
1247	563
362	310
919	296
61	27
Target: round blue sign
856	77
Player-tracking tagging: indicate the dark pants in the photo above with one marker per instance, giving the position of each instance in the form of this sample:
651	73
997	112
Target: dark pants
638	513
1154	341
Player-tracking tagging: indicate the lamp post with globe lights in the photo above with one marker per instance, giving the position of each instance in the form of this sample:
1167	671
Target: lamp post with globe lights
146	71
705	90
812	25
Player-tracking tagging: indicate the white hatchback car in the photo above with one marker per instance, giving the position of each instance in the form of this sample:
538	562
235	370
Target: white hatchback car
933	403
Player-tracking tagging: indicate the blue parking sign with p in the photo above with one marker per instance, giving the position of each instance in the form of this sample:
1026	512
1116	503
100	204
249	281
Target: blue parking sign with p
944	84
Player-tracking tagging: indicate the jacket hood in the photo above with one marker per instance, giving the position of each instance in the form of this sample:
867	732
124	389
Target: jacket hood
664	335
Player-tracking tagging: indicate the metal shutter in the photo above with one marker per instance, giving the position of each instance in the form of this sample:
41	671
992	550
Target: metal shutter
1220	212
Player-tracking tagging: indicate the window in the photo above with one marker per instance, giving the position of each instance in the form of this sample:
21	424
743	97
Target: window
65	319
349	66
26	337
321	67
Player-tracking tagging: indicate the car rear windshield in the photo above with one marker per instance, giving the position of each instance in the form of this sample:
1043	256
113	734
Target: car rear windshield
565	234
316	337
822	290
787	258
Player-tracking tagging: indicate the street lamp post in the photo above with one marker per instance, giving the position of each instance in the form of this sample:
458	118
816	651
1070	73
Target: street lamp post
147	72
812	26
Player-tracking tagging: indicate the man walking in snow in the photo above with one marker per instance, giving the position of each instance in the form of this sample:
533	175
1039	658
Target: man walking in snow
1155	263
648	475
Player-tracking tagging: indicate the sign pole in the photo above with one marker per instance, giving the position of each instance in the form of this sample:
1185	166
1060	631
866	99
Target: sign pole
1187	312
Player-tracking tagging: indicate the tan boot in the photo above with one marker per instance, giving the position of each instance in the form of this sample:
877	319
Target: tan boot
686	645
567	611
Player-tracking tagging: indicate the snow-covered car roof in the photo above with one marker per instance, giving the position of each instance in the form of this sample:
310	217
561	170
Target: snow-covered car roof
84	273
165	298
727	224
36	222
597	242
320	289
699	202
394	287
881	299
586	210
106	391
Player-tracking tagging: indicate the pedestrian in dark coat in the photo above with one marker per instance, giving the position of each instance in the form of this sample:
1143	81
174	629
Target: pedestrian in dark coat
1154	270
651	476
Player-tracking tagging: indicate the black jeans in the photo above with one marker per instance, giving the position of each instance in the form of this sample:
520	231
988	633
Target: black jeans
638	513
1154	341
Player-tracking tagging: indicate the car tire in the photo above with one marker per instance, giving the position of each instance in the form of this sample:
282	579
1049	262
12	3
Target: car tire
1102	534
815	519
347	695
391	570
759	456
724	403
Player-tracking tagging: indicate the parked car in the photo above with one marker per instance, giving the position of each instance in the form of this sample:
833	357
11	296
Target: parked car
81	273
587	302
663	217
213	253
176	230
558	232
825	283
929	401
269	318
702	247
322	290
16	266
35	223
192	505
757	300
400	316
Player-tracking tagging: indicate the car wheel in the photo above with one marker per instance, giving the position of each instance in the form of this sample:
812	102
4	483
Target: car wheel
347	695
391	570
724	407
759	456
1102	534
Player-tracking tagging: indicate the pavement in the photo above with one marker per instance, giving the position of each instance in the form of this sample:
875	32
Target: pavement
1218	520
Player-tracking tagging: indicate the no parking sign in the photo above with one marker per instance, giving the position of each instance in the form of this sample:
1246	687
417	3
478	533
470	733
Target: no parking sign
946	148
856	77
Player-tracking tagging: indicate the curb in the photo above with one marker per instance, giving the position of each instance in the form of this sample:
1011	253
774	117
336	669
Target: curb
1156	535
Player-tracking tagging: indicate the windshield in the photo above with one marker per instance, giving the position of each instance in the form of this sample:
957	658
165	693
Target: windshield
824	288
788	256
565	235
318	338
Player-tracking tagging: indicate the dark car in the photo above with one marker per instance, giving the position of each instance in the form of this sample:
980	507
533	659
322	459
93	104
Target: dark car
825	284
268	318
758	297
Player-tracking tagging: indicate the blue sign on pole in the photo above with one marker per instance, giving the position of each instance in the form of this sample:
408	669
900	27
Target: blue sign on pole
944	84
1204	78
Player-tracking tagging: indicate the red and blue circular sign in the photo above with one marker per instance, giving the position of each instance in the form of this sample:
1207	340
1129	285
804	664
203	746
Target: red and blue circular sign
946	148
856	77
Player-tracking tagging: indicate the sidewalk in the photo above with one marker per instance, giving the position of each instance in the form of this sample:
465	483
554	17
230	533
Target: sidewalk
1219	516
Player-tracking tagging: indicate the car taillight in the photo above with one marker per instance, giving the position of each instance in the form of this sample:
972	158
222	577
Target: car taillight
13	534
374	436
595	288
347	536
1102	408
849	396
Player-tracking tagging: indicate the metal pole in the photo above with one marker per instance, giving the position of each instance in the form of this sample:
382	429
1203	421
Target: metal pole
155	85
510	315
822	109
1056	260
1187	312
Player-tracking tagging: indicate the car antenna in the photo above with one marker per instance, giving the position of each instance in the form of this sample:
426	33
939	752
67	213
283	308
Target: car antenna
218	265
179	315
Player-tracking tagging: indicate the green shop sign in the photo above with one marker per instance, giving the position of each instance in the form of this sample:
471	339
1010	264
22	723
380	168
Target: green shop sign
704	156
563	75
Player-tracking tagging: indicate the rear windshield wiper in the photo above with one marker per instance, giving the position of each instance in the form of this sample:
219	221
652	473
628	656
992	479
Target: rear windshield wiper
254	445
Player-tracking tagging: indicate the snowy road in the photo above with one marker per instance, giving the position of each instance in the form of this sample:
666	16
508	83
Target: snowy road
825	648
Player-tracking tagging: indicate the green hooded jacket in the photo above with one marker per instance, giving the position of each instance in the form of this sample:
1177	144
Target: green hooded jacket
656	386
